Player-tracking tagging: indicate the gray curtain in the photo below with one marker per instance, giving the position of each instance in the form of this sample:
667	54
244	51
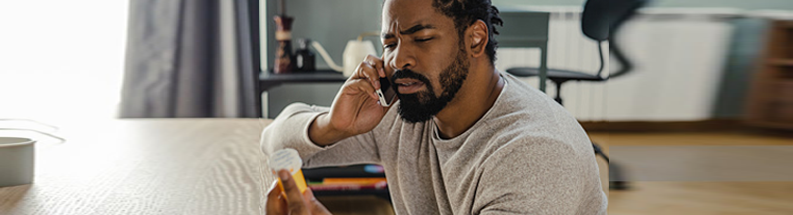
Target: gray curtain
189	58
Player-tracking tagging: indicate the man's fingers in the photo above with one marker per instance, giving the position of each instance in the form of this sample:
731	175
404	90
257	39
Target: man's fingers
367	71
362	86
275	204
294	199
370	69
377	63
381	71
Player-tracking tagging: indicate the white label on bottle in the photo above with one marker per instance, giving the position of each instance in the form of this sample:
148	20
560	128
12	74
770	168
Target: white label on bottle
299	59
287	159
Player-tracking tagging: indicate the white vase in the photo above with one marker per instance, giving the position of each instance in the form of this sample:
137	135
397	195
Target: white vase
354	53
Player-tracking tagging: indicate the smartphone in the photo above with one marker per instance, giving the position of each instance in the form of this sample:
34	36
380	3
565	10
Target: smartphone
386	92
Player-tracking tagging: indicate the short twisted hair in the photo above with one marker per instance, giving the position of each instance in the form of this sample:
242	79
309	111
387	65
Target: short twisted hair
466	12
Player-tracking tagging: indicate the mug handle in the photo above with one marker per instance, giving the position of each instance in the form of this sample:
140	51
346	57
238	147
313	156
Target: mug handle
54	128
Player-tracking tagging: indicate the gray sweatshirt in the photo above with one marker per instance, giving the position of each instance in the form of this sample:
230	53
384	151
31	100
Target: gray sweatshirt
526	155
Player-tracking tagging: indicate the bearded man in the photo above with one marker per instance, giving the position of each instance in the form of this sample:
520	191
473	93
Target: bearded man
464	138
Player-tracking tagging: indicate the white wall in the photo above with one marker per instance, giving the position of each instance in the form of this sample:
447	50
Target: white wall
679	60
742	4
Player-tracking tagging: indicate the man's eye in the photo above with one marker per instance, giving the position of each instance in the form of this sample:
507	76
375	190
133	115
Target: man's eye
388	46
423	39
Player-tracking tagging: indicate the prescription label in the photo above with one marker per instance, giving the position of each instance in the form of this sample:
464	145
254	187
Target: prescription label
289	160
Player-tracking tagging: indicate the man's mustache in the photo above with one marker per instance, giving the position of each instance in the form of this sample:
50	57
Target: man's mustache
407	73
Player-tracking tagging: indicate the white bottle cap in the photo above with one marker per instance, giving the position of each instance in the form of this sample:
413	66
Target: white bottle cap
287	159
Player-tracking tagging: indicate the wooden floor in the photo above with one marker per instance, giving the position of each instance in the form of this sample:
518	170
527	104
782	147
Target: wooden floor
650	198
702	198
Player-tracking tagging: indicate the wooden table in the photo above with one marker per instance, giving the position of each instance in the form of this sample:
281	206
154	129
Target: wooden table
152	166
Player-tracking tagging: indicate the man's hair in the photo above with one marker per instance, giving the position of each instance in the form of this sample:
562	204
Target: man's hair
466	12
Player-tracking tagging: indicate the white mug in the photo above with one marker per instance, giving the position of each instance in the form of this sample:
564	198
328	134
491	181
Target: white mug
16	161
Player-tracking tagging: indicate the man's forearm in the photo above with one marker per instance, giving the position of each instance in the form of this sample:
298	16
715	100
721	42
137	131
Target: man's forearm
304	128
322	132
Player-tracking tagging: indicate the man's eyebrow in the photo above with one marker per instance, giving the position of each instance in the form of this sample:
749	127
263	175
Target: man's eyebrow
409	31
416	28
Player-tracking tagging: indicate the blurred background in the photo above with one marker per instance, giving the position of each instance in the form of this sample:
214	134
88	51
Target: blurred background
62	61
715	73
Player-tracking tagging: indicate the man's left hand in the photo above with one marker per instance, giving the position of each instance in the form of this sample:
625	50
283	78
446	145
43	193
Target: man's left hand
290	201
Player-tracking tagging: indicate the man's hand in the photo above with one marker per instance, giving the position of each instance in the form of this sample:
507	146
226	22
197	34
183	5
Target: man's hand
293	203
356	108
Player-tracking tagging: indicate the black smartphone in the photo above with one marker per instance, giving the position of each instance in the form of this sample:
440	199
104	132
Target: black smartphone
386	93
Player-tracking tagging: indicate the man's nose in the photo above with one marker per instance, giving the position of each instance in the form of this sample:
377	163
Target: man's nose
404	58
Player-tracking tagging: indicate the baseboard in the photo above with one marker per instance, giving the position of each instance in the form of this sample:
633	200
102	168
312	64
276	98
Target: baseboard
666	126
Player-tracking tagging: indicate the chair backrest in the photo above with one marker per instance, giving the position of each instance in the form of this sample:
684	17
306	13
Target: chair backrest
600	21
602	18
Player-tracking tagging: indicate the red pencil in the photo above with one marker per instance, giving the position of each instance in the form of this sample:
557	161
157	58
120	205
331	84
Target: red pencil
336	187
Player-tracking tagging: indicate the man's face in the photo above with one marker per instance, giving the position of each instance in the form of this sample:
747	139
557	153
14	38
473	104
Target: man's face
424	56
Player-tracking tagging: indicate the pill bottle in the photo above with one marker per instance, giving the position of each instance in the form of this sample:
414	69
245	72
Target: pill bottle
289	160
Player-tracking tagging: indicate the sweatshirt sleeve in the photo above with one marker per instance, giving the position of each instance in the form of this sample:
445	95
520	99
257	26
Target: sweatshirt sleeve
290	130
547	177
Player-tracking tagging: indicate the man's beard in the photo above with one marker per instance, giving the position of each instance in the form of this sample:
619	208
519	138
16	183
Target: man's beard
423	105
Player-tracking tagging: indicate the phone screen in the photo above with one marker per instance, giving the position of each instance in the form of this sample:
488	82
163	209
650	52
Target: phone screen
386	92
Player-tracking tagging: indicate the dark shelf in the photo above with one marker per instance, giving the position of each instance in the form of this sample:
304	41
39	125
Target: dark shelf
379	193
352	171
769	104
771	124
781	62
304	76
269	79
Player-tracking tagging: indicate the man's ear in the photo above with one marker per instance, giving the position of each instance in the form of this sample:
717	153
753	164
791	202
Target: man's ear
477	39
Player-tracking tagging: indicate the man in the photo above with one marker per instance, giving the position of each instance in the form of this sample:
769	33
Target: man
463	137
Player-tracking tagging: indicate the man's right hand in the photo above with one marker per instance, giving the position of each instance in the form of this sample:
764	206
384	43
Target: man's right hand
356	108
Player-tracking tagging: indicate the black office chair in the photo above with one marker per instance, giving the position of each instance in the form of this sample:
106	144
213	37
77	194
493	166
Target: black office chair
600	21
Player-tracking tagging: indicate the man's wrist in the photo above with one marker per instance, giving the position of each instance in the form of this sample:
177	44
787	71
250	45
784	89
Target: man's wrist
322	133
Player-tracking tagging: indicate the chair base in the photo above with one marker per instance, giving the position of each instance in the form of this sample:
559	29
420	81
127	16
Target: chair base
617	180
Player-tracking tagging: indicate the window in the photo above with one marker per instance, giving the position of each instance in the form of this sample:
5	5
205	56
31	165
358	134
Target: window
61	60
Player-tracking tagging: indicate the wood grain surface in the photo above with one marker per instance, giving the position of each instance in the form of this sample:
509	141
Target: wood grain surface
699	197
213	166
152	166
